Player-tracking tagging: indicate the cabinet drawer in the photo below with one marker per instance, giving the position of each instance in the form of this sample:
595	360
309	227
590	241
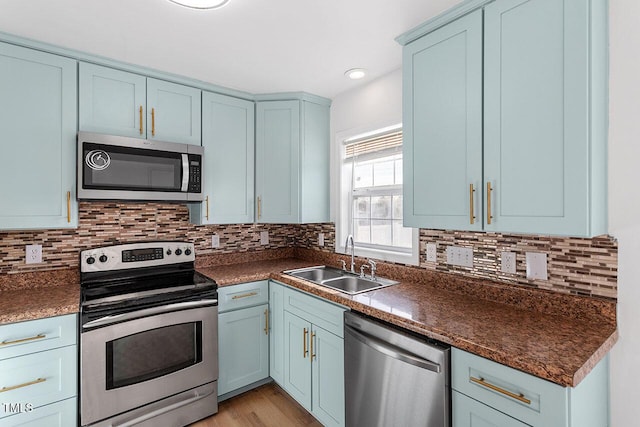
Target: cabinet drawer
471	413
38	379
243	295
59	414
530	399
21	338
327	315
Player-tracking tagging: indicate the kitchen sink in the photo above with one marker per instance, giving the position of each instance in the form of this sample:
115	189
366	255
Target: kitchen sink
340	280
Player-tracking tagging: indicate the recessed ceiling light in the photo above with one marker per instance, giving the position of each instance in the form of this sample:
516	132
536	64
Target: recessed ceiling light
355	73
201	4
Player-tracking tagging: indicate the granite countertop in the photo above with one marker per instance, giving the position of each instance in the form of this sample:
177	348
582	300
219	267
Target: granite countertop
558	348
554	336
29	296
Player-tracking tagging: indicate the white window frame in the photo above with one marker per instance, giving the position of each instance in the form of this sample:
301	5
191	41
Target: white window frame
344	204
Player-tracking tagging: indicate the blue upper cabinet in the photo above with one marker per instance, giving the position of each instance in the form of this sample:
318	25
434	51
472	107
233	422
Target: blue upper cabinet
540	99
545	166
38	124
442	127
121	103
228	140
292	162
112	101
173	112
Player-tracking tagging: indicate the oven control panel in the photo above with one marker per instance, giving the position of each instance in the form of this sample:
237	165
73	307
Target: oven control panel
135	255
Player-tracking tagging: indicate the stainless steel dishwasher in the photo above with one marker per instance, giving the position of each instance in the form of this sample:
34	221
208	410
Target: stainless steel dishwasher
393	378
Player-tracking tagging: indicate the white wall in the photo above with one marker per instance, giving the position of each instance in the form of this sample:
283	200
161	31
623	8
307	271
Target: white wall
372	106
379	103
624	203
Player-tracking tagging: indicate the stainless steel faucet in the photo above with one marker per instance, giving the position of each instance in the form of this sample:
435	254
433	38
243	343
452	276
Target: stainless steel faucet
346	246
373	265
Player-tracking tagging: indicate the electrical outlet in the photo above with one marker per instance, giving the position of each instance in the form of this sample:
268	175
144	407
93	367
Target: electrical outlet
33	254
457	255
215	241
432	254
264	238
508	262
320	239
536	266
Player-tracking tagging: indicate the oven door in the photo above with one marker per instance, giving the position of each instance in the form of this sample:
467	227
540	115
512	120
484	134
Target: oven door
136	362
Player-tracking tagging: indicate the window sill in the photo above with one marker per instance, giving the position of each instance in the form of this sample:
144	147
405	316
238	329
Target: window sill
378	254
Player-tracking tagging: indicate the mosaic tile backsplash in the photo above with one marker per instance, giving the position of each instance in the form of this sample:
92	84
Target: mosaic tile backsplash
575	265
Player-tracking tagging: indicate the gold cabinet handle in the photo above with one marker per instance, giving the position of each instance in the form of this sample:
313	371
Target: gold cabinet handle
250	294
207	203
68	206
141	120
153	122
472	217
489	190
13	387
259	207
519	397
266	321
313	355
304	343
37	337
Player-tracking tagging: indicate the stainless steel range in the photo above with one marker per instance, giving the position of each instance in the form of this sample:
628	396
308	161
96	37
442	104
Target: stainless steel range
149	336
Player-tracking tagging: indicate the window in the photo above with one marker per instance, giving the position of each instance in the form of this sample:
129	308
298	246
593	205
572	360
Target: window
371	197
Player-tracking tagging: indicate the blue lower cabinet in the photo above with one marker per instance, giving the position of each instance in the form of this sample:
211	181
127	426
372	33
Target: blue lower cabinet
59	414
313	372
468	412
243	336
487	392
244	348
276	332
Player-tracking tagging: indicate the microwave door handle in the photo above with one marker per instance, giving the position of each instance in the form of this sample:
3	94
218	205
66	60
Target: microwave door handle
185	173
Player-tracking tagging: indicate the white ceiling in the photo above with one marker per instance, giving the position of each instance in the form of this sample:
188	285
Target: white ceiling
258	46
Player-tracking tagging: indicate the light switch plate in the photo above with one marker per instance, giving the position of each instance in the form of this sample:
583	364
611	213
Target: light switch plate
33	254
215	241
320	239
536	266
264	238
432	252
508	262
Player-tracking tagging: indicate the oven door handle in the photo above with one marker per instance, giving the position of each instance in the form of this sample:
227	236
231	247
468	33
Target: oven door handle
148	312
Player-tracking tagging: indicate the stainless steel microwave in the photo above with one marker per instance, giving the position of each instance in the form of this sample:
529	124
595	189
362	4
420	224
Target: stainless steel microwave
115	168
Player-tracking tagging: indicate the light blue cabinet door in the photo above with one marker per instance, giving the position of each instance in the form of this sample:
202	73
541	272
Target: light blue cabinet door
314	168
537	142
59	414
297	359
228	140
278	161
327	354
243	341
38	125
468	412
173	112
112	101
276	332
442	146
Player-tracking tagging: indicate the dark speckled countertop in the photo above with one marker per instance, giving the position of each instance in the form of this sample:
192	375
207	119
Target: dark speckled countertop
559	348
554	336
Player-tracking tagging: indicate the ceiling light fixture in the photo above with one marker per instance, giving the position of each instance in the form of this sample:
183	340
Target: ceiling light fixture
355	73
201	4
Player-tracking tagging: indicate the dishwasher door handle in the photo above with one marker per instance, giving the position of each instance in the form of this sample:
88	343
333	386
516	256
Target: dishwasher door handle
393	351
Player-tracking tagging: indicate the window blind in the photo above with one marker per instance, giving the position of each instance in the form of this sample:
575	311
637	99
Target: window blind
374	143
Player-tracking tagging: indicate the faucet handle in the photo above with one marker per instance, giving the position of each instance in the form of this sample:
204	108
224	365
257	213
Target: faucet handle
344	265
362	269
374	265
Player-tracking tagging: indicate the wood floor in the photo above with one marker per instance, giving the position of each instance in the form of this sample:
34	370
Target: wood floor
267	405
